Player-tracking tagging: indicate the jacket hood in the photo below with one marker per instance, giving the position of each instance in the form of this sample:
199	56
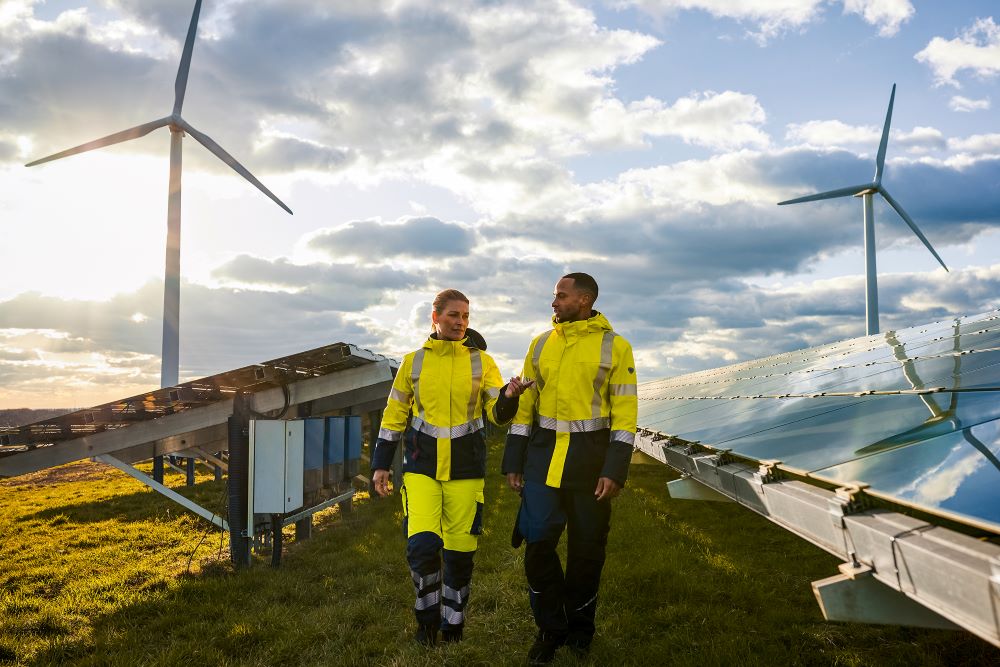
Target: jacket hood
596	322
473	339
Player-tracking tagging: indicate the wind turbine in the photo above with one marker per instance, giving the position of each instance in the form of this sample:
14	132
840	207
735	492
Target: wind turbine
867	191
169	362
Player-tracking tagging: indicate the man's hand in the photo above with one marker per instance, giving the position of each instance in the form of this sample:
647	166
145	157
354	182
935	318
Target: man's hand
515	481
606	488
381	481
517	386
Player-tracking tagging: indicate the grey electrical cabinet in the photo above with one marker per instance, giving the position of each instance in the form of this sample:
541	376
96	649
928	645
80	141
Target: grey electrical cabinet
277	450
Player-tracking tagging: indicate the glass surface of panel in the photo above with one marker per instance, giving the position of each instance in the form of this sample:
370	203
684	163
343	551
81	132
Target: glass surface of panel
756	416
958	473
833	437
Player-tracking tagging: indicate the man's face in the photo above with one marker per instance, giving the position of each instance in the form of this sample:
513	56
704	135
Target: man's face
568	303
453	320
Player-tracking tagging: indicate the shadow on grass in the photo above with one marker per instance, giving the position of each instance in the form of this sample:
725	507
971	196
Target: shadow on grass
321	602
134	506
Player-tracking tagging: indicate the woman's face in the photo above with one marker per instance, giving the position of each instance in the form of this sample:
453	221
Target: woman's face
452	322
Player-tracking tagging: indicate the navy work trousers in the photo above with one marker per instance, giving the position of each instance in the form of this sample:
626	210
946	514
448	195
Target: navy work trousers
563	603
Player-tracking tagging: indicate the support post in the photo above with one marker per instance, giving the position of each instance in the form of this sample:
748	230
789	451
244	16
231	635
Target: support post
240	526
189	471
304	526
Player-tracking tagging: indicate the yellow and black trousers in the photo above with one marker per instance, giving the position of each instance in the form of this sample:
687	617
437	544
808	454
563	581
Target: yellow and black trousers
442	521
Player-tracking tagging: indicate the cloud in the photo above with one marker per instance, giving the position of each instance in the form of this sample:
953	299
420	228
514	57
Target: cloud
959	103
423	237
320	286
834	133
775	17
486	100
718	120
977	144
888	15
737	191
8	149
88	352
770	18
976	49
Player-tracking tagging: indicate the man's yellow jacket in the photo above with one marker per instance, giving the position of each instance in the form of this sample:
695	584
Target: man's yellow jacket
436	407
577	422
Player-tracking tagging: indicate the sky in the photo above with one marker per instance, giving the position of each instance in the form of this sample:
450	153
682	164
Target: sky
490	147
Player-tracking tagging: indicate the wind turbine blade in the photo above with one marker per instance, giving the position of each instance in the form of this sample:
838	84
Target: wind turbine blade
180	85
831	194
880	158
220	153
913	226
111	139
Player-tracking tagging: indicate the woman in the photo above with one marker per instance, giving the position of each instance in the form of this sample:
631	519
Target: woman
443	390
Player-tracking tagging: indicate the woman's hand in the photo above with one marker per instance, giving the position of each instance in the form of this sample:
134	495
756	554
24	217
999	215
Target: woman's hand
517	386
381	481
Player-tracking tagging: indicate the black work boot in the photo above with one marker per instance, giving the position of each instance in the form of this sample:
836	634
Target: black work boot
544	649
451	635
579	644
427	635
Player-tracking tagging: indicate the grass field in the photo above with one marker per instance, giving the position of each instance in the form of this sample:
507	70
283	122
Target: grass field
94	570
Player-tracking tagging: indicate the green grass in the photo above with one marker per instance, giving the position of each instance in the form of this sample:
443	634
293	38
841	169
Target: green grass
94	571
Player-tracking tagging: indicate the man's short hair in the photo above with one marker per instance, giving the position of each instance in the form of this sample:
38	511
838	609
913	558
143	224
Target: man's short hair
584	282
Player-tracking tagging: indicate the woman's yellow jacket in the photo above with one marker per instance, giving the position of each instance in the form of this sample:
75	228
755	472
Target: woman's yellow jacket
436	406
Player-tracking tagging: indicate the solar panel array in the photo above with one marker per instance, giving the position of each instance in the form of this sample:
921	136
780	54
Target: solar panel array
185	396
914	414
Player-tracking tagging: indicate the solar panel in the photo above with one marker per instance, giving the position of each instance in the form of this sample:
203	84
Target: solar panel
124	423
911	413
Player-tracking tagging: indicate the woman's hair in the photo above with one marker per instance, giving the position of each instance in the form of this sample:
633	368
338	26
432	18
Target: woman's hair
444	296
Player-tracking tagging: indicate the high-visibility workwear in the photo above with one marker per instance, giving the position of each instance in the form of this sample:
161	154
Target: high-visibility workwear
440	514
443	389
436	407
577	422
574	425
562	602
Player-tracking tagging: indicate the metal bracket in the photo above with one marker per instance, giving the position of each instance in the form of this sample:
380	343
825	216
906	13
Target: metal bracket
724	457
854	569
767	472
847	499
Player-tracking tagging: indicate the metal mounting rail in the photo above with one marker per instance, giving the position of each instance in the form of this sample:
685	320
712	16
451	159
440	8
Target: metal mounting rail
951	574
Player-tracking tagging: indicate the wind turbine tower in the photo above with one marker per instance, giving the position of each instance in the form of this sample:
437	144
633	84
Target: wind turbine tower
867	192
169	364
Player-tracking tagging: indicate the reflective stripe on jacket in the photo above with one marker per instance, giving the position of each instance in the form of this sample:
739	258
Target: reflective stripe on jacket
436	406
577	422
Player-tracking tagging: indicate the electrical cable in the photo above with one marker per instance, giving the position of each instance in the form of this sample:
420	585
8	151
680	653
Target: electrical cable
223	508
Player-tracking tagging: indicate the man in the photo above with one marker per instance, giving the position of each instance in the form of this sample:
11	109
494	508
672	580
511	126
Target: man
567	454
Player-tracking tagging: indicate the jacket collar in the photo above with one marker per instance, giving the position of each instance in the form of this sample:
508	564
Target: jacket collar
444	347
573	330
